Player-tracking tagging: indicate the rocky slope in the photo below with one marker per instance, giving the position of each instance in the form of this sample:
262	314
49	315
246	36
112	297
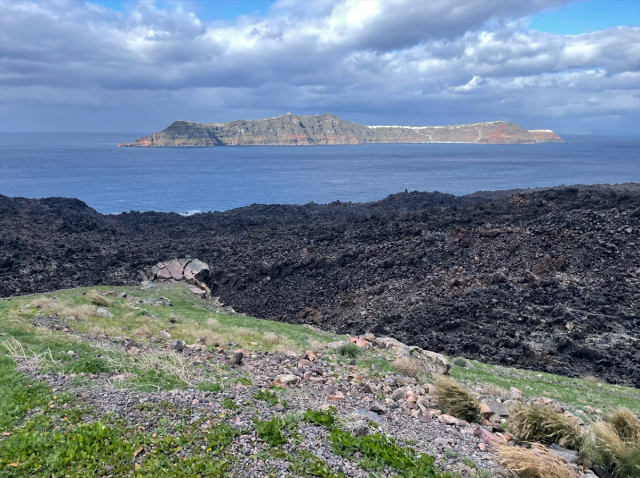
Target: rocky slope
329	129
545	279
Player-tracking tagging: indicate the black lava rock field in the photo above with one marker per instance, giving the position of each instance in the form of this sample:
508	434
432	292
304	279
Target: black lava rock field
545	279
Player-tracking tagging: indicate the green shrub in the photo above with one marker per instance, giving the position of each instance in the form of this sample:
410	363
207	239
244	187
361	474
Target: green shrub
266	396
535	423
326	419
229	404
459	362
274	431
350	350
455	400
378	451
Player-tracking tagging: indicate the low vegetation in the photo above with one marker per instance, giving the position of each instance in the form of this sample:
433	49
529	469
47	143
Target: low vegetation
573	393
57	343
409	367
542	424
537	462
615	444
350	350
455	400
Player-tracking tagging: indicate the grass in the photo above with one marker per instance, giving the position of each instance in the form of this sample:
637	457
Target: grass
616	444
536	423
626	424
50	446
350	350
139	315
537	462
409	367
574	393
97	299
38	441
455	400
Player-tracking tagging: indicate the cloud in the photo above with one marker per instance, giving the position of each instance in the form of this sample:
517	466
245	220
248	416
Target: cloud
432	62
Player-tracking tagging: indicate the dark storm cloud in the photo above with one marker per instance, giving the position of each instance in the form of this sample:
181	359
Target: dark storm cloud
432	62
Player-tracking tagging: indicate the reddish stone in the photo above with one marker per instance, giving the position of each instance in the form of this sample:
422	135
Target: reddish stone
175	269
362	343
485	435
163	274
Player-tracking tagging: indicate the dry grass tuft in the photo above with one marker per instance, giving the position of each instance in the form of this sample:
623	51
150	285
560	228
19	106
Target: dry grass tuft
535	423
213	323
455	400
494	390
409	367
80	312
42	302
95	298
143	332
626	424
538	462
618	456
271	338
170	363
63	309
27	363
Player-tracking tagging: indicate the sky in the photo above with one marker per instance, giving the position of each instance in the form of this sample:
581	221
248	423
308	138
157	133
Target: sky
137	66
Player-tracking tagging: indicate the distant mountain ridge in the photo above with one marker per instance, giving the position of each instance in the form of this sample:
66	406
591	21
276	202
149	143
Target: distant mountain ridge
294	130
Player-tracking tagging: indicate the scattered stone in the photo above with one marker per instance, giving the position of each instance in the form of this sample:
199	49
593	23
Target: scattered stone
103	312
378	408
515	393
288	379
178	345
236	358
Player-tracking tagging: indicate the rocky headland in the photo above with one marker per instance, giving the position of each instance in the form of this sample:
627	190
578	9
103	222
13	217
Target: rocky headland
544	279
294	130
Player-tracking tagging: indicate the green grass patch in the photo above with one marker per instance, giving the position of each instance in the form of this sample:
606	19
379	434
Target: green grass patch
275	431
577	393
350	350
209	387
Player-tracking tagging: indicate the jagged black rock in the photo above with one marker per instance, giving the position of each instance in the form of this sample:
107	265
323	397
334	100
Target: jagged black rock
540	279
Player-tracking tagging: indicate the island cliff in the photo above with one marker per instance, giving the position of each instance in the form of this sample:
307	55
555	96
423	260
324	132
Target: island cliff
293	130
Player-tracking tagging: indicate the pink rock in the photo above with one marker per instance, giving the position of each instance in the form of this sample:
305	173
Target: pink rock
309	355
163	274
482	446
448	419
515	393
362	343
485	435
175	269
335	397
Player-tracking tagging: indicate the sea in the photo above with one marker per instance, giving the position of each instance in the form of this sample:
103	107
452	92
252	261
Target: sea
90	167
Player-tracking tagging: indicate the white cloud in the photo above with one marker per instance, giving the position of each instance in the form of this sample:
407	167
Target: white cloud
376	60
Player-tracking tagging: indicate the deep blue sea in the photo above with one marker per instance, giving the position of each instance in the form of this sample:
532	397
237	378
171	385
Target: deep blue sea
90	167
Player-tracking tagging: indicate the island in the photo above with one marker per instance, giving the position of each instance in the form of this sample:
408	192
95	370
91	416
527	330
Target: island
294	130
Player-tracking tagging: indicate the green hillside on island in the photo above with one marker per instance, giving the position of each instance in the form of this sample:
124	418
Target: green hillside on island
293	130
